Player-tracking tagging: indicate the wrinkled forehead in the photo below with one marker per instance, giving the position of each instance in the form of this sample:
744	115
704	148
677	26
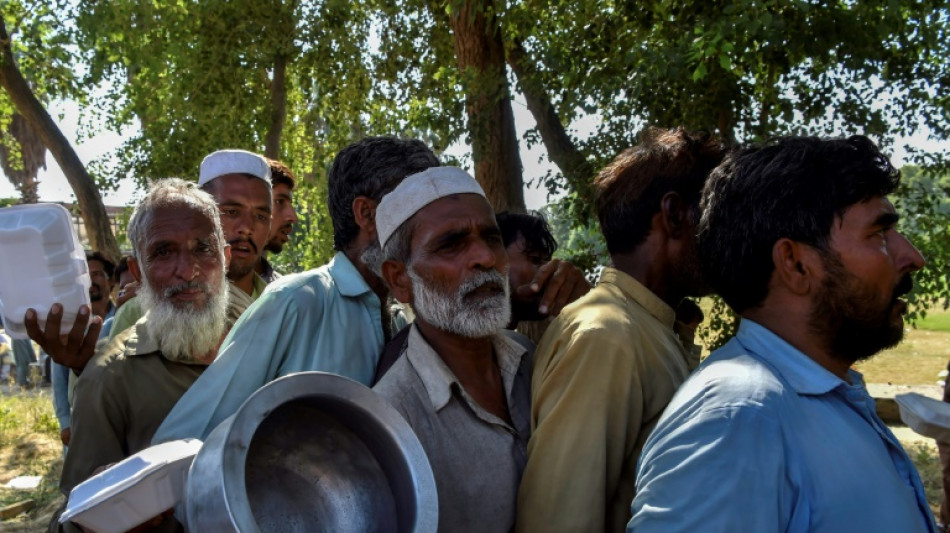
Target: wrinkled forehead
452	215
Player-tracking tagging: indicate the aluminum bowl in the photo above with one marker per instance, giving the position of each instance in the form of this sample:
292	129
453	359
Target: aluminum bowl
312	452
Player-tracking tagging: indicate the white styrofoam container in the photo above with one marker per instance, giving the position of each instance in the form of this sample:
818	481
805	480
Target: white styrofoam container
927	416
41	263
133	491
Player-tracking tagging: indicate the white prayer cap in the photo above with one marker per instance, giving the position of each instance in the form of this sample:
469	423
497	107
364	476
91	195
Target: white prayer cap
418	191
233	162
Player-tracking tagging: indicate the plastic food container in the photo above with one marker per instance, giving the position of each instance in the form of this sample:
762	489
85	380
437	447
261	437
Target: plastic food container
41	263
133	491
927	416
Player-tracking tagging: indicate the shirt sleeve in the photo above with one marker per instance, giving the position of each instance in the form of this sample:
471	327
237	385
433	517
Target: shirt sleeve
586	402
99	426
251	356
721	470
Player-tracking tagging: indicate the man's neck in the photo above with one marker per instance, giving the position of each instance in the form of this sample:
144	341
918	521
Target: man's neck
474	364
101	308
791	325
259	265
375	283
652	272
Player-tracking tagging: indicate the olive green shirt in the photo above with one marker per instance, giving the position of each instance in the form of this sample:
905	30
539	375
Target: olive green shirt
124	394
603	373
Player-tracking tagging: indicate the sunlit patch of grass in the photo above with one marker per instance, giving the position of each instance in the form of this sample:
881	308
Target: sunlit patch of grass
29	446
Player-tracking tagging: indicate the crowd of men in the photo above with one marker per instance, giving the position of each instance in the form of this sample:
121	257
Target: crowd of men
610	422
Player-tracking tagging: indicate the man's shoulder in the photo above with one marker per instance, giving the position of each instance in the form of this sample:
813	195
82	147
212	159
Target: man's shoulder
734	379
602	308
401	386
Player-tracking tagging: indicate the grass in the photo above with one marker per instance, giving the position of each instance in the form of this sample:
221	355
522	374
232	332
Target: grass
927	461
29	446
919	359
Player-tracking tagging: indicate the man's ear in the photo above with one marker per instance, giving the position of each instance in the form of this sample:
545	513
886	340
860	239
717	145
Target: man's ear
798	266
134	269
364	212
674	215
227	256
396	276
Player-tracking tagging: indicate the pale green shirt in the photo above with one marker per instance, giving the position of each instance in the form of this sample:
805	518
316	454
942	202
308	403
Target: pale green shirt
327	319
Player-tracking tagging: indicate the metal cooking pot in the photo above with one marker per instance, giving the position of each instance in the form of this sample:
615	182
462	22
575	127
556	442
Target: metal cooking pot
312	452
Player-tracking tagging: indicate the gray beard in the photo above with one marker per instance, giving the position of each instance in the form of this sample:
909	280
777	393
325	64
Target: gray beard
459	313
186	335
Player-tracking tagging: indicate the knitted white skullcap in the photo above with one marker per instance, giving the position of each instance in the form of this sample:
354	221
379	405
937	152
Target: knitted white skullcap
418	191
233	162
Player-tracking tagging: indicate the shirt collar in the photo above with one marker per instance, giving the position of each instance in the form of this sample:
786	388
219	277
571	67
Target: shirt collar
348	279
637	292
438	379
801	372
258	286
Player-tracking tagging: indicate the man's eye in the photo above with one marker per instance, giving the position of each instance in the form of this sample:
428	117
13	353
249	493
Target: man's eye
263	218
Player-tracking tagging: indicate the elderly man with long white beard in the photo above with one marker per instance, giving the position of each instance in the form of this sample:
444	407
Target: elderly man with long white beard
179	256
462	384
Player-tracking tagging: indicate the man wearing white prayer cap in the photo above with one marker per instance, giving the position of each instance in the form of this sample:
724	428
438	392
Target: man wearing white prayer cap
462	384
240	183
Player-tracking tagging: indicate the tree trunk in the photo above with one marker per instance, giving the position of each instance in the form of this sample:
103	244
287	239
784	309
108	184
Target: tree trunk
575	166
278	107
23	158
480	54
87	194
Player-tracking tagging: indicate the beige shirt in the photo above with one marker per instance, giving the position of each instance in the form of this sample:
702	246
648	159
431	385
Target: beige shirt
604	371
125	393
476	458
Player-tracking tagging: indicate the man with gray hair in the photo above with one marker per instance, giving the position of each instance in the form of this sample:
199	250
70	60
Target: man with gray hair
179	256
461	384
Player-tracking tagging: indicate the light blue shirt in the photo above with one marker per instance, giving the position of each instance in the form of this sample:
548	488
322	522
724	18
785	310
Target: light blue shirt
762	438
327	319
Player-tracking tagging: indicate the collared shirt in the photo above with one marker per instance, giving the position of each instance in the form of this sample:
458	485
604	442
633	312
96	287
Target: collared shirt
477	458
762	438
121	398
327	319
603	373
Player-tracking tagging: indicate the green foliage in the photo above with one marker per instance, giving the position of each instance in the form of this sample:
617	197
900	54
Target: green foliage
924	205
311	243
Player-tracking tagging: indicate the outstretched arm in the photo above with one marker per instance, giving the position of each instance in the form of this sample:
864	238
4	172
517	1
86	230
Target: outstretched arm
73	350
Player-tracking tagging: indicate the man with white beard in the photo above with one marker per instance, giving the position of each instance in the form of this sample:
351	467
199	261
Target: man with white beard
461	384
179	256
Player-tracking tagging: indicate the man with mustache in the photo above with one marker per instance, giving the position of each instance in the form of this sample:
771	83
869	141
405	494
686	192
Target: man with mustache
283	217
100	288
240	183
179	256
775	431
607	366
461	384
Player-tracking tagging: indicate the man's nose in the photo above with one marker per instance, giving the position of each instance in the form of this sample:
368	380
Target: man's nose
907	256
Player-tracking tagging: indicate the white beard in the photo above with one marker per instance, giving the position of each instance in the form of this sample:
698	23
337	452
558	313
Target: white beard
186	335
461	314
